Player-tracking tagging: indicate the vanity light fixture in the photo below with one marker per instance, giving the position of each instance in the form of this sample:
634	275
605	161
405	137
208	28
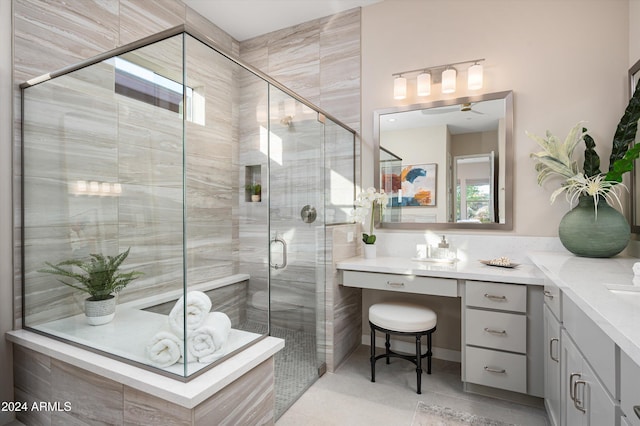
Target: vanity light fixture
449	80
474	77
444	74
399	87
424	83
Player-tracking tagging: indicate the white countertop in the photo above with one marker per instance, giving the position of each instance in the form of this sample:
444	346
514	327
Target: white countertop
586	282
463	269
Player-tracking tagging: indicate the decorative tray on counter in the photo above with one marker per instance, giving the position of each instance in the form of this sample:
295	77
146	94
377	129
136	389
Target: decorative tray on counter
500	263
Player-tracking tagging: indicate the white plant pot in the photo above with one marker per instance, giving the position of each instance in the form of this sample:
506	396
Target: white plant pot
100	312
369	251
255	198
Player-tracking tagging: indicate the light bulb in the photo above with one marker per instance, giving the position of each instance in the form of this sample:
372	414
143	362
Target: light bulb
449	80
474	80
399	88
424	84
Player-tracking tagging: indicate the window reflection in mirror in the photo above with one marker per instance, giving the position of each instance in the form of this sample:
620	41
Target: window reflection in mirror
447	164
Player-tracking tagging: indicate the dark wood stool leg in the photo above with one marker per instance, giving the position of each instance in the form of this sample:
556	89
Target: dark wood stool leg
387	346
419	363
429	353
373	353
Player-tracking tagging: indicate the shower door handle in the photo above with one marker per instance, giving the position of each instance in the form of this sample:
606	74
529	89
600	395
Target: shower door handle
280	240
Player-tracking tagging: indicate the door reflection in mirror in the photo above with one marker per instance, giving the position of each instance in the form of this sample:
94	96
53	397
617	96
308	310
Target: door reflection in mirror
475	181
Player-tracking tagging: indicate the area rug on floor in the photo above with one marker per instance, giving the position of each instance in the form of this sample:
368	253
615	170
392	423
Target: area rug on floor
435	415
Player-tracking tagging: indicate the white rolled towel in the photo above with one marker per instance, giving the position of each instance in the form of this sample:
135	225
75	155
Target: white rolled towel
165	348
197	310
206	343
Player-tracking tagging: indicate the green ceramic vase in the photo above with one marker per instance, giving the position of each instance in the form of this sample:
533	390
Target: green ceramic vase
586	234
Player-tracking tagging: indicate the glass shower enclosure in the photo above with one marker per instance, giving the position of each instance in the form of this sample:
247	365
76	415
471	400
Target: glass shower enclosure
217	181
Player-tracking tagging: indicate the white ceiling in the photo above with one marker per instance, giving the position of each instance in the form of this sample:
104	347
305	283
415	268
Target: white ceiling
245	19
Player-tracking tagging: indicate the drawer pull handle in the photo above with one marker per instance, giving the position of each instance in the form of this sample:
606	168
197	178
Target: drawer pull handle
494	297
572	386
636	409
495	370
501	332
578	403
556	359
395	285
548	294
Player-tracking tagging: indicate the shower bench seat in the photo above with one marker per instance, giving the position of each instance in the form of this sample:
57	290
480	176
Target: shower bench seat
240	390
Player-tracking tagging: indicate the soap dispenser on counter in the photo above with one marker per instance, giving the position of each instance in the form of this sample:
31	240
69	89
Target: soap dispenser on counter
443	251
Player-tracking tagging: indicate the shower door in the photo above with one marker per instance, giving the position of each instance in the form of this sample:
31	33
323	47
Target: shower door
297	243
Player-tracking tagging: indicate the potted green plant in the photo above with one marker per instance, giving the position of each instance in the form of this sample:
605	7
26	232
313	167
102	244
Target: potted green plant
592	228
255	190
100	278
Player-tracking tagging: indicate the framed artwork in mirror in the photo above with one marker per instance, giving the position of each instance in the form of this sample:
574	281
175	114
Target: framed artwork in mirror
414	185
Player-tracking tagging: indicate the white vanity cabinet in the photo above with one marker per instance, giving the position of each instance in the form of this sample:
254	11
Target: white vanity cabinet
587	401
501	336
588	379
552	366
552	326
629	390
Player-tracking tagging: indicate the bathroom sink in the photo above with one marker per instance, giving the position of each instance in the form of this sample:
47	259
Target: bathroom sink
628	292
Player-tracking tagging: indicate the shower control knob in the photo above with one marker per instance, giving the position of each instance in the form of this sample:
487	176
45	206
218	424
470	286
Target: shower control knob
308	214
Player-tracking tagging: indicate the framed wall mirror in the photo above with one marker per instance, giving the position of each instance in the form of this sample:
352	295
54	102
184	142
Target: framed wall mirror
634	77
447	164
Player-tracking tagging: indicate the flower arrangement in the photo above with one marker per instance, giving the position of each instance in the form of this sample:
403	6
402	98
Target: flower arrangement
556	159
366	201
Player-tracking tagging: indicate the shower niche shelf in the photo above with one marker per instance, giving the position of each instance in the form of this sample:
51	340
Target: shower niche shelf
253	186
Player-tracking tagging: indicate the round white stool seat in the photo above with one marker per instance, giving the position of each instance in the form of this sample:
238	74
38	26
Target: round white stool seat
403	317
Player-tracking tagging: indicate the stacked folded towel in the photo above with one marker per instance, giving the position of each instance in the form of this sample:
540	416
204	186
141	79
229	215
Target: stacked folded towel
206	343
206	333
195	310
165	348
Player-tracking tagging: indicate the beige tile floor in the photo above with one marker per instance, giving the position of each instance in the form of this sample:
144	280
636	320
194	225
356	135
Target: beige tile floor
347	397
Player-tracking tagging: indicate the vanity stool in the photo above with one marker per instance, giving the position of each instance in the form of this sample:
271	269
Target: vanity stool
403	319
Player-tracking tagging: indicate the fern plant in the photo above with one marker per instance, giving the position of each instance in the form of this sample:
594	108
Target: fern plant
99	277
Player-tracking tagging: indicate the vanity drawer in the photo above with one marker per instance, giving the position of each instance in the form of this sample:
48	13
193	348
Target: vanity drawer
401	283
552	299
497	330
496	369
506	297
629	395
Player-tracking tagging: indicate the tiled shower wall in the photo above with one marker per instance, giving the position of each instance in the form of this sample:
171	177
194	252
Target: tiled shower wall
320	60
86	132
51	35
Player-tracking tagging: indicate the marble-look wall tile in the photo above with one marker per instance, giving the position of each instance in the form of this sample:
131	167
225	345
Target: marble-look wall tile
140	408
340	66
32	384
142	18
49	35
94	399
326	51
212	32
343	304
248	400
